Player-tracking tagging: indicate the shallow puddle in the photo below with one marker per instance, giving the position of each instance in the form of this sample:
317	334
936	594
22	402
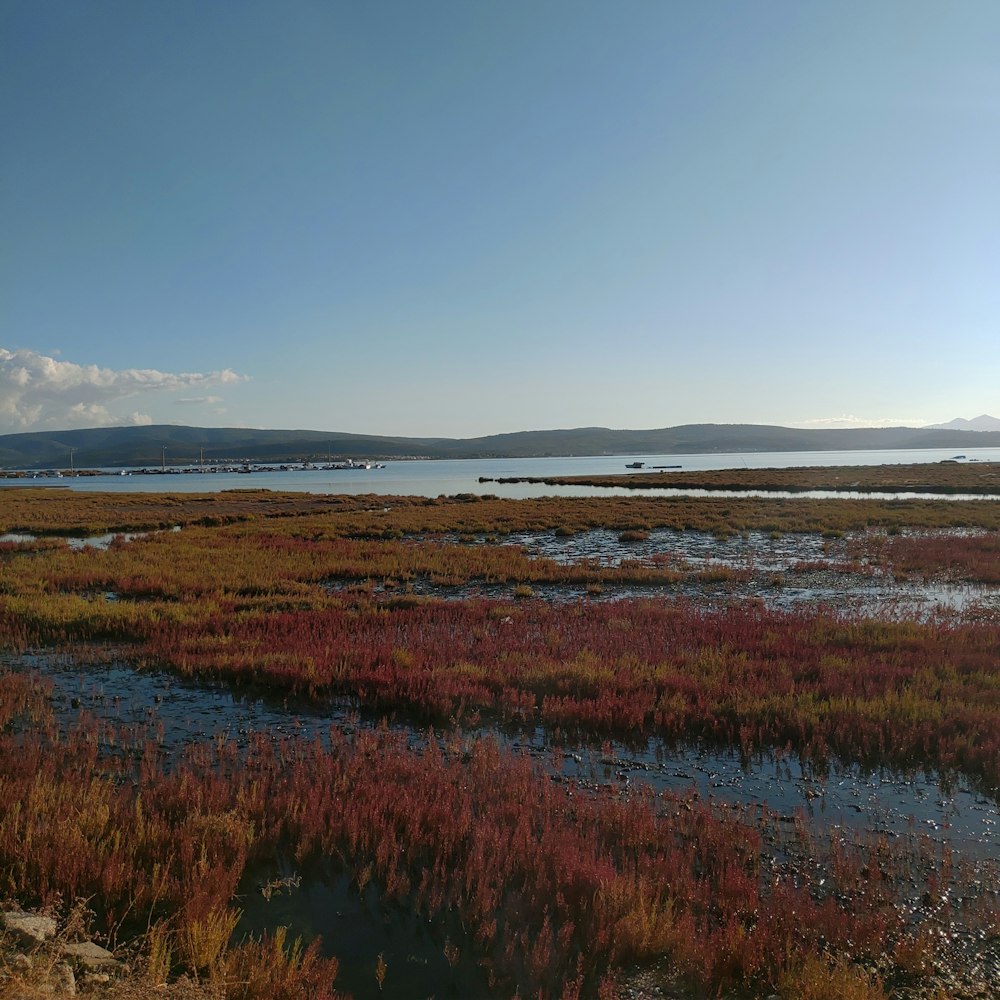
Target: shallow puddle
78	543
422	958
782	571
16	538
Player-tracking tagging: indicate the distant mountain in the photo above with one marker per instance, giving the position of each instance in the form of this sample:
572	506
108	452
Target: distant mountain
981	423
106	447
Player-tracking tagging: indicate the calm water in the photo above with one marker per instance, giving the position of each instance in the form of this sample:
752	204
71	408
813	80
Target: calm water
448	477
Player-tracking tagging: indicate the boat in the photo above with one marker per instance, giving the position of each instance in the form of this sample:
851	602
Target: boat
351	464
635	465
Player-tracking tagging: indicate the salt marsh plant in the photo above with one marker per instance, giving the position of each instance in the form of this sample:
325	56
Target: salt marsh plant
555	887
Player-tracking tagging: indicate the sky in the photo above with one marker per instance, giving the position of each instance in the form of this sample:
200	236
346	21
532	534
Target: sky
464	217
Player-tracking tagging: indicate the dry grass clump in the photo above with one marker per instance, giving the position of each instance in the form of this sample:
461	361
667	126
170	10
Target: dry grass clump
633	535
269	968
817	978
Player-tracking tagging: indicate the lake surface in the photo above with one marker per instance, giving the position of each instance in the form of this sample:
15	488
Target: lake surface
432	478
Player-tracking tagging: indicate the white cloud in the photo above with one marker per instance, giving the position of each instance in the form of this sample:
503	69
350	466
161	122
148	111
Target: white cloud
188	400
848	420
38	392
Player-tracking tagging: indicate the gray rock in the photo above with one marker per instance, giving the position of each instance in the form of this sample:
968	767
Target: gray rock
64	979
29	927
90	955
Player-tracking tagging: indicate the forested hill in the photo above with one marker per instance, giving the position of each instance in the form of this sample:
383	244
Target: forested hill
176	445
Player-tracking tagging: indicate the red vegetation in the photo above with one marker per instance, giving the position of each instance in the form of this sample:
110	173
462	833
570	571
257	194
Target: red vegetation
899	693
558	887
551	882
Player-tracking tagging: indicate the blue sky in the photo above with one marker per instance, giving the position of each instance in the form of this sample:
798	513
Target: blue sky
460	218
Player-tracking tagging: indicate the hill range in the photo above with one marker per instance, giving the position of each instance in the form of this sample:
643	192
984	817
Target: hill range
108	447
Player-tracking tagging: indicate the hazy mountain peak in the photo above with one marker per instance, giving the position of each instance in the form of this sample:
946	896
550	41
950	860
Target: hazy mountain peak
984	422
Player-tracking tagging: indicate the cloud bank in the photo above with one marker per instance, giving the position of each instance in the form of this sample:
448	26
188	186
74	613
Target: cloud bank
42	393
197	400
849	421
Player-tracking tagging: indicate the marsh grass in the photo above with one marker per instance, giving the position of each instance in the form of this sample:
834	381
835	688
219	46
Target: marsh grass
555	887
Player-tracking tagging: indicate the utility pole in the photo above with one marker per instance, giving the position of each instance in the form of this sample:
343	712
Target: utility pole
163	458
72	466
